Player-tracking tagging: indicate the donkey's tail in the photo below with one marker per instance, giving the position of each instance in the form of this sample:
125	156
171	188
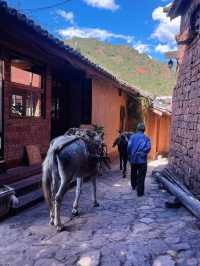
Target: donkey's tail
50	169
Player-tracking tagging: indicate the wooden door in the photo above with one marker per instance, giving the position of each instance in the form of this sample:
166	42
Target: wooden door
56	115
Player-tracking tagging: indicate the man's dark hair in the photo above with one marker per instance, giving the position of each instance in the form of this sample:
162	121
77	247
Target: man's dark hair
141	127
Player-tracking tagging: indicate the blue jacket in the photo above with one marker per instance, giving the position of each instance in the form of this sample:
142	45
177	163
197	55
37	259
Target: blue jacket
138	148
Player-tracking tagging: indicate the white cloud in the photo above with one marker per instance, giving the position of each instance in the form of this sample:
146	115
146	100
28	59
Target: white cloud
97	33
164	48
142	48
105	4
68	16
166	30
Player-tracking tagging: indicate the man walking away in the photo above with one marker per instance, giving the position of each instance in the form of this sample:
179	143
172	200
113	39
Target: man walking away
138	148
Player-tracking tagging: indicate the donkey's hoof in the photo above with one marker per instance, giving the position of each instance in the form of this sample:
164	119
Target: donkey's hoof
59	228
96	204
51	222
75	212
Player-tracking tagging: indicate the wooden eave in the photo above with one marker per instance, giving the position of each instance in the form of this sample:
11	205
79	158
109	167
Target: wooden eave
32	36
161	112
178	7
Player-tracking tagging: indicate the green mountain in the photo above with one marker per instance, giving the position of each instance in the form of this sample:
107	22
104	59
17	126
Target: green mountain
127	64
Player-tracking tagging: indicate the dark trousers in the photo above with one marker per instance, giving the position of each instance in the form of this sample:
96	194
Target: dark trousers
138	174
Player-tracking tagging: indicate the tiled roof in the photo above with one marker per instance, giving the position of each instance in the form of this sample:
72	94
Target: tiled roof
176	7
67	49
163	104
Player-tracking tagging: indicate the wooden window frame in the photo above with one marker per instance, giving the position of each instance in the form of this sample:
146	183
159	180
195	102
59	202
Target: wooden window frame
24	91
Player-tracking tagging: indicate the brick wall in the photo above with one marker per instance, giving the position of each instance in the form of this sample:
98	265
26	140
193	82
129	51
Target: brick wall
185	138
19	132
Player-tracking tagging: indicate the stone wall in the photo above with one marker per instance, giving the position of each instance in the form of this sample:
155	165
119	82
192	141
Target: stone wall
185	138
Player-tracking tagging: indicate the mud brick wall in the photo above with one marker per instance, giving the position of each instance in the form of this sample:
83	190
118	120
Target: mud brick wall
184	157
106	103
19	132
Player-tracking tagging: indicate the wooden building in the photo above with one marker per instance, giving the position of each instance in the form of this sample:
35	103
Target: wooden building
157	118
158	126
185	140
47	87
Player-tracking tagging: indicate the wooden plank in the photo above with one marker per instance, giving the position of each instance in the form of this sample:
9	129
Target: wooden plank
34	155
181	193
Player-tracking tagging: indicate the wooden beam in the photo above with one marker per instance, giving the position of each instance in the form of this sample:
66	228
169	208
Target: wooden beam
180	192
157	112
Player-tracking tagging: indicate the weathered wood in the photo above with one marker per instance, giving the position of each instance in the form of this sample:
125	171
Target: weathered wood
34	155
184	196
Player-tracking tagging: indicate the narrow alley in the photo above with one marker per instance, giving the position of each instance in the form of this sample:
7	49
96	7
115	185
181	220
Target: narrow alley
124	230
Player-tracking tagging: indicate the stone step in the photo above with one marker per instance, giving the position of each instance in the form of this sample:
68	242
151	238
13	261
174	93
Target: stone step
27	185
28	191
29	199
19	173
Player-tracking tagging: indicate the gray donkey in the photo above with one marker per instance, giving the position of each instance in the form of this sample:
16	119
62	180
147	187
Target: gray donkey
75	155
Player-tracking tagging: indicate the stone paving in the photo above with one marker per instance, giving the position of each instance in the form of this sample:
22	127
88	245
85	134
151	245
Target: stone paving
124	230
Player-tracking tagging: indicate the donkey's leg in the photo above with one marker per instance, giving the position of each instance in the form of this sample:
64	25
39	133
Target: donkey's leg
59	196
54	190
58	201
51	222
77	197
94	192
57	220
120	159
124	166
51	213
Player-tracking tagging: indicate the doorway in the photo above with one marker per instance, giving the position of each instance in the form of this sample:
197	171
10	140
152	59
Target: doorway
71	104
59	117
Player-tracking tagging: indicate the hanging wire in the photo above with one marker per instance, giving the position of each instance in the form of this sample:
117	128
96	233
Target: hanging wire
45	7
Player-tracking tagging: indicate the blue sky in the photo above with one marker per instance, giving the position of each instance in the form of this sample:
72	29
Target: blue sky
138	23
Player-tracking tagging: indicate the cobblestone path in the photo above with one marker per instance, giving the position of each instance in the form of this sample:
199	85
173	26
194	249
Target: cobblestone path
124	230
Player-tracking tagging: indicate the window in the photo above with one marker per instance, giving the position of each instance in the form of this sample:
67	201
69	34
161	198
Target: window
33	105
24	77
17	105
27	90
